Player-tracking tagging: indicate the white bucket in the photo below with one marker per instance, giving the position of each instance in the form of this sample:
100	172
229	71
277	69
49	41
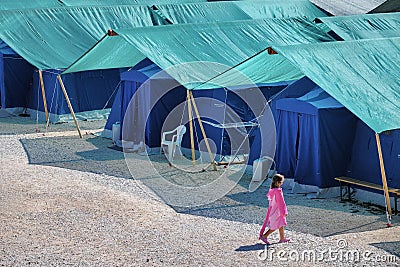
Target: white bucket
116	132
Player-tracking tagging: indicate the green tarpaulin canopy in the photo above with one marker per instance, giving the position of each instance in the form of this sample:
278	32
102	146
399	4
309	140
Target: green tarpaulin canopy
54	38
237	10
280	9
109	53
21	4
26	4
363	75
124	2
226	43
200	12
365	26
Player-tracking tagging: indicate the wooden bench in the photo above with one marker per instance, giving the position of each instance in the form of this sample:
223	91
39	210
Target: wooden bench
350	181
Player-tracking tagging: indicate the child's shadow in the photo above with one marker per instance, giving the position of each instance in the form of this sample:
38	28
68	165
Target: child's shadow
254	247
258	246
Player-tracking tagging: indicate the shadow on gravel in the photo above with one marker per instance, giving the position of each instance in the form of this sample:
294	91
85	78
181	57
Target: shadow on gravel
90	155
321	217
251	247
12	125
391	247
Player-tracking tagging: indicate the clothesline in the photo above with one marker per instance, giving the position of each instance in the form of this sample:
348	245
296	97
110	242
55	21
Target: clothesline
232	124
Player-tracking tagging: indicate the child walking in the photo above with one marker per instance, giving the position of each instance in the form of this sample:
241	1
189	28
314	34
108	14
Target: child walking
277	211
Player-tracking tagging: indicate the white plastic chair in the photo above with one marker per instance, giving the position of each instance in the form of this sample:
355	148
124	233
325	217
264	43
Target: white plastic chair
174	142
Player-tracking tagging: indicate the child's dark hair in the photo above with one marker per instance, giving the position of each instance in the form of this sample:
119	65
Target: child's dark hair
276	179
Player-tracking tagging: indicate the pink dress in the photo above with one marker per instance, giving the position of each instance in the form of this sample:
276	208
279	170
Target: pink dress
276	210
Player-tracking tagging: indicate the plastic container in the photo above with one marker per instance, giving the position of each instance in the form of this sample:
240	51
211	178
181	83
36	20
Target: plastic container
116	132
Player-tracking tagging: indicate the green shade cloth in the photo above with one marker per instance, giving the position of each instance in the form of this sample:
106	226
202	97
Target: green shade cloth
363	75
54	38
23	4
26	4
280	9
124	2
237	10
365	26
226	43
110	52
201	12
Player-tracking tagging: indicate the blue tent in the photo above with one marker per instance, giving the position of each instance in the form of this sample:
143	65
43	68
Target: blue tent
142	75
314	136
364	163
90	92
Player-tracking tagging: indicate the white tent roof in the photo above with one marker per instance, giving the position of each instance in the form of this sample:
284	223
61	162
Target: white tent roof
347	7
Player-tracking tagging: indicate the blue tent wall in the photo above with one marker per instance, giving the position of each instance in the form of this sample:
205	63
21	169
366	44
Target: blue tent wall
2	85
15	81
159	113
364	163
314	138
87	91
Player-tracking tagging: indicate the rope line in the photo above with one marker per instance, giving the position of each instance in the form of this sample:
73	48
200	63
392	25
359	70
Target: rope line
108	100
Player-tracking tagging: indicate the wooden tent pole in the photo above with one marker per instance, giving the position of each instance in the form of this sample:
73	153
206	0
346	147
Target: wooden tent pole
203	132
190	125
69	104
44	97
385	186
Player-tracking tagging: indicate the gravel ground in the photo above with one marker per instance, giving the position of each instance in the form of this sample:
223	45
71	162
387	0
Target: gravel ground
71	201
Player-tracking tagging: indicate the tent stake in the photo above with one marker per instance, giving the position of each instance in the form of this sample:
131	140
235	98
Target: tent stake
69	104
203	132
385	186
44	98
190	126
